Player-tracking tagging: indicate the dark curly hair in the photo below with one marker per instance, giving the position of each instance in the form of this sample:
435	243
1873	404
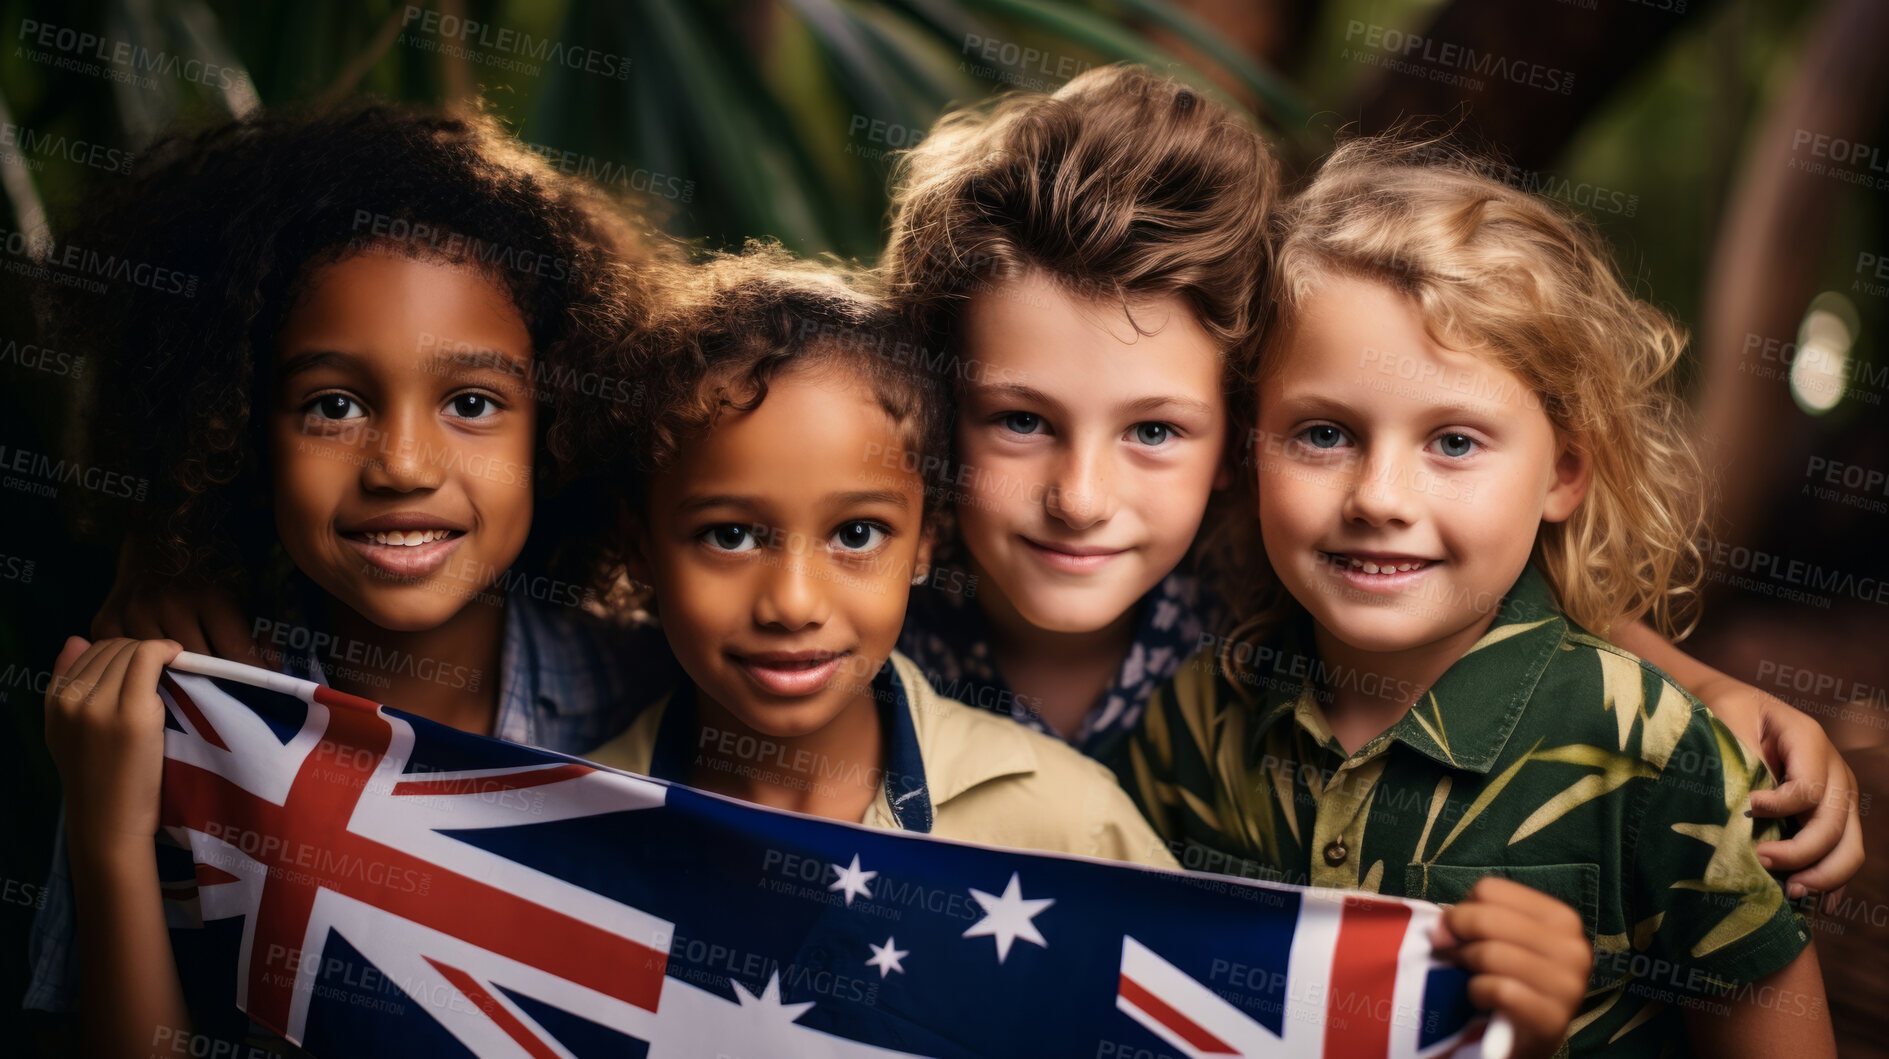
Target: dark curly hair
734	322
209	243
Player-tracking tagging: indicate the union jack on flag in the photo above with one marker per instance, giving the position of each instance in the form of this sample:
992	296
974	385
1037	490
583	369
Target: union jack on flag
370	883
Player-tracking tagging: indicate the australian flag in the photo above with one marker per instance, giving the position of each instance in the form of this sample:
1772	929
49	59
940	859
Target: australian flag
369	883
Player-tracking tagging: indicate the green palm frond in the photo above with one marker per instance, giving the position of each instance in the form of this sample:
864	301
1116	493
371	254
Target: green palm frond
781	117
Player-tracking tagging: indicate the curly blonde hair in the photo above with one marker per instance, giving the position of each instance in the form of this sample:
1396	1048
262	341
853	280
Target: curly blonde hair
1500	272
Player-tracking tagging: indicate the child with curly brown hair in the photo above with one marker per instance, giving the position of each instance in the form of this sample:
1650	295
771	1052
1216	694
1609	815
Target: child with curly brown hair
778	514
373	393
1470	454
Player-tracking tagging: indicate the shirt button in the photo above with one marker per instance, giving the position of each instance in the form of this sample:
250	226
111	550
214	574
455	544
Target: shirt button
1335	853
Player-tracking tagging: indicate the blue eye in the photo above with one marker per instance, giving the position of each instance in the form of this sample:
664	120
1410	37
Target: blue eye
730	537
1323	436
1022	422
859	536
474	406
333	406
1455	446
1152	434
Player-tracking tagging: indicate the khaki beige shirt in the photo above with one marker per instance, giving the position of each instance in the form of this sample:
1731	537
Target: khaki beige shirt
987	779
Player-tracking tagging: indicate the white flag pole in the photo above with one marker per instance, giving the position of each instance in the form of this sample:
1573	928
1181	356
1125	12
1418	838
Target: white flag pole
204	665
1499	1041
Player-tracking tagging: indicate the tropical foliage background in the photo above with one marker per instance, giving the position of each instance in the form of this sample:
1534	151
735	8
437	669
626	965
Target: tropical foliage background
1678	126
755	105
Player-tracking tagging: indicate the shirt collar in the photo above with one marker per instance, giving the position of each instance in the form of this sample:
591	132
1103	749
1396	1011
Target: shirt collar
954	740
1465	720
903	785
947	633
528	688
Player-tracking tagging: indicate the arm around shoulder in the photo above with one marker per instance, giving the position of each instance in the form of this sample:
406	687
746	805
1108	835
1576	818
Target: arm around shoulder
1815	784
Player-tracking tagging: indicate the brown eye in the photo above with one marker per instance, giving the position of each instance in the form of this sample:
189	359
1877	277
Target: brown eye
473	406
334	406
730	537
859	536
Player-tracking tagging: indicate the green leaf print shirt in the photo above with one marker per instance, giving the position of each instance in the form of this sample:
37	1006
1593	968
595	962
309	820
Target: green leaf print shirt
1545	755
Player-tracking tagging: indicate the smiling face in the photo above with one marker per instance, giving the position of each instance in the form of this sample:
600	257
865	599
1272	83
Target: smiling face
782	549
401	436
1092	448
1401	484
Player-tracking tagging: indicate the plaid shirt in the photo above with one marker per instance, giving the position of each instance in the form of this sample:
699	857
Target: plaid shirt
567	682
947	635
1545	755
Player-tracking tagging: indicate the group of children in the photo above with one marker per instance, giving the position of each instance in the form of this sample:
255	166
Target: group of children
1308	522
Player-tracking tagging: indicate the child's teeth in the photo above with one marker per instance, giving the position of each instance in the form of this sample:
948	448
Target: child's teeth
1371	566
408	538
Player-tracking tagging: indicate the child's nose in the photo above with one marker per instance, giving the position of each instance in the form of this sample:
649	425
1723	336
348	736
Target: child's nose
791	594
405	458
1081	495
1382	492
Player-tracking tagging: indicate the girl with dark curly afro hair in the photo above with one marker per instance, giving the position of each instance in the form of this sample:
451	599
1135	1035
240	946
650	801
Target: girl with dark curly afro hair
352	354
783	496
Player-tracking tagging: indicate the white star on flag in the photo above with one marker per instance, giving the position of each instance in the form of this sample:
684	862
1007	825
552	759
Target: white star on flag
1007	918
886	957
768	1004
853	881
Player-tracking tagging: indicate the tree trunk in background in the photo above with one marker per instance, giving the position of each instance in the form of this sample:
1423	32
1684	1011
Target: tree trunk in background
1486	39
1777	228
